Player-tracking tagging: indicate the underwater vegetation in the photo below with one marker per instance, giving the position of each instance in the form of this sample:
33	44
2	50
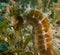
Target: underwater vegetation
29	28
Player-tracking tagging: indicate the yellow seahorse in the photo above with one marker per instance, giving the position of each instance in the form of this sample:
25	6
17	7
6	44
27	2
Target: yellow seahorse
42	37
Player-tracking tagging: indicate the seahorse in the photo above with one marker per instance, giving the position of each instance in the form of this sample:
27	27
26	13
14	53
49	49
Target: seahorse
42	37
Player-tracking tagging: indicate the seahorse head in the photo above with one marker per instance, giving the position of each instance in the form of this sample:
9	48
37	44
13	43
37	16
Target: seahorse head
33	16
